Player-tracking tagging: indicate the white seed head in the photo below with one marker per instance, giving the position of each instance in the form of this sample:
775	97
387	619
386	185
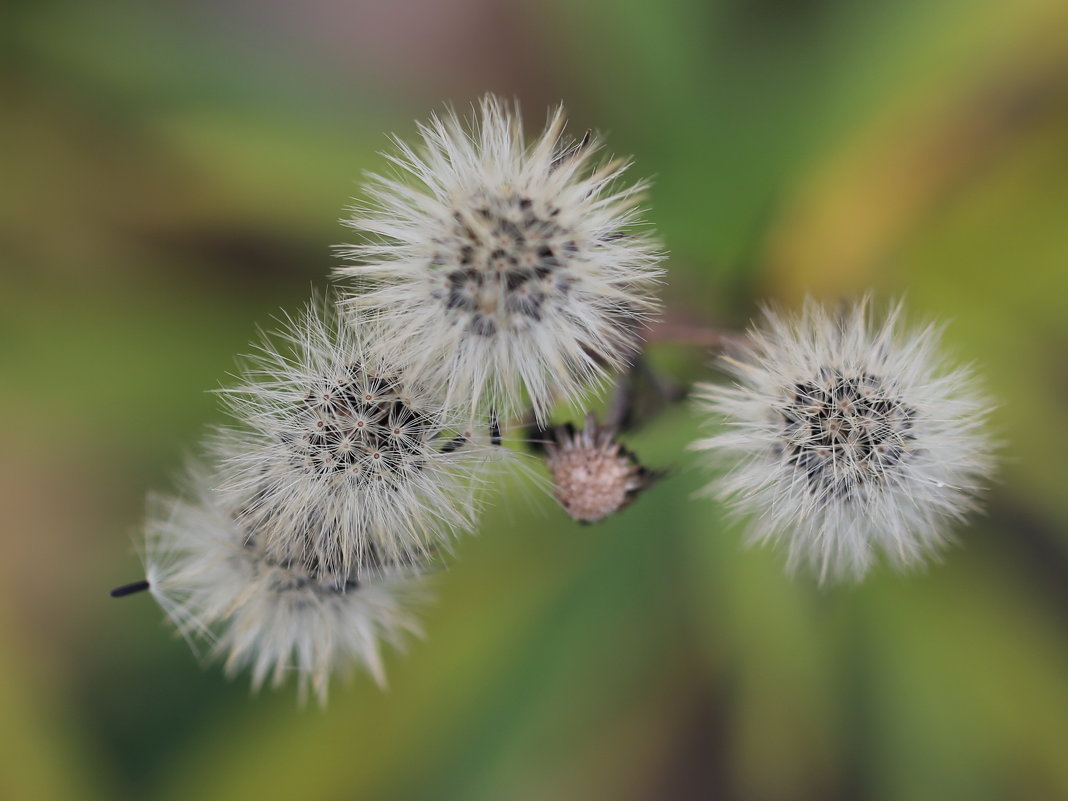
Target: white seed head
210	572
340	456
500	267
593	475
845	437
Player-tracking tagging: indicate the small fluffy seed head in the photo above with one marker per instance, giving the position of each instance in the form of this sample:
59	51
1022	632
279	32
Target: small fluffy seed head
845	437
340	456
515	273
210	572
593	475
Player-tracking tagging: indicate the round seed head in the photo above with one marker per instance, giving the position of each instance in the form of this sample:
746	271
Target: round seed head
209	569
845	437
341	455
513	272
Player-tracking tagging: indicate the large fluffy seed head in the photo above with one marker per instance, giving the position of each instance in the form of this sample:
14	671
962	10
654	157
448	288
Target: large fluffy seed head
845	437
209	569
503	268
343	457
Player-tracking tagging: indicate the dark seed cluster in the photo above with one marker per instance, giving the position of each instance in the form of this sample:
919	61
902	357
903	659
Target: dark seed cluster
300	566
299	577
302	561
307	562
306	559
364	425
841	431
306	572
502	264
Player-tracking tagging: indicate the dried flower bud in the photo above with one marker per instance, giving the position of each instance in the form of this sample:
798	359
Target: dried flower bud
593	475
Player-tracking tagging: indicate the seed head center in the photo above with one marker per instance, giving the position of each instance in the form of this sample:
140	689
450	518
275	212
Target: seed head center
843	430
503	262
354	421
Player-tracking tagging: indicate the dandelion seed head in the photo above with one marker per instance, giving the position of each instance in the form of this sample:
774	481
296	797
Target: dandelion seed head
208	567
845	437
340	454
516	273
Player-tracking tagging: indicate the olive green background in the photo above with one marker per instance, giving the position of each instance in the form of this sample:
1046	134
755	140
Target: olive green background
172	174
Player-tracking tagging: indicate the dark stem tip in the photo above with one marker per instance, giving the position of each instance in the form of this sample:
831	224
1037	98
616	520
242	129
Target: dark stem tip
495	428
129	589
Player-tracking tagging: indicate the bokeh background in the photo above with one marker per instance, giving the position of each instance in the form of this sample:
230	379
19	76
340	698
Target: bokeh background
171	174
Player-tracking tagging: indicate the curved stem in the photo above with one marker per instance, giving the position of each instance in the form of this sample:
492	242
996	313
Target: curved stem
702	336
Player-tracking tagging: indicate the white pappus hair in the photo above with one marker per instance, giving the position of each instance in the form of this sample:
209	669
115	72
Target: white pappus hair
208	569
340	457
514	273
846	436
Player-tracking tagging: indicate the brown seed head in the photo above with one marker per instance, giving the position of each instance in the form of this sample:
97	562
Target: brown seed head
593	475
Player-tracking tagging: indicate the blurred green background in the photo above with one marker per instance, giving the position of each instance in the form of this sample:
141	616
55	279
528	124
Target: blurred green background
171	175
